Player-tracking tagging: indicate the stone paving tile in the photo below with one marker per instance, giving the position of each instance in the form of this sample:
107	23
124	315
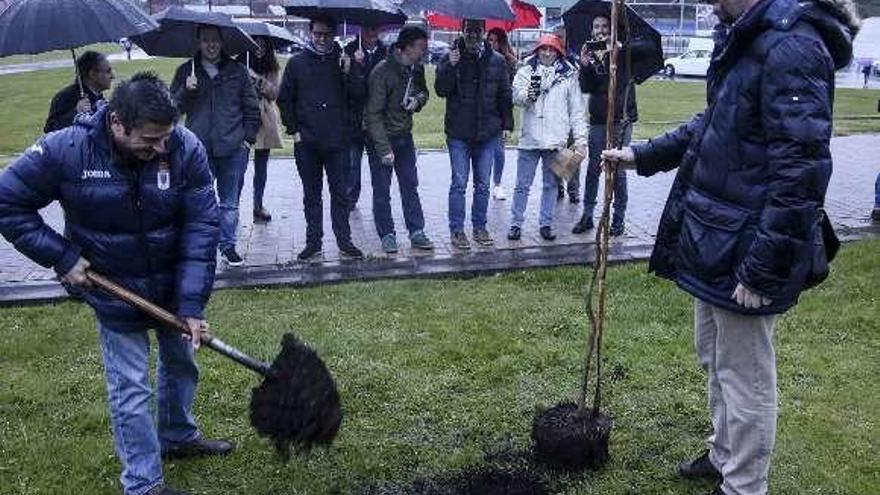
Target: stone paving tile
850	199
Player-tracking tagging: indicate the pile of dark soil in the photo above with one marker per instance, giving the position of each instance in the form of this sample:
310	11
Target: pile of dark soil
477	481
569	438
298	404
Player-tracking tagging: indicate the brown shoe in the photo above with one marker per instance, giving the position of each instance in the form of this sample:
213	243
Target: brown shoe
482	237
460	241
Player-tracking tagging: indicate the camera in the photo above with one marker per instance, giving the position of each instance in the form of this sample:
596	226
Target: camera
595	46
535	82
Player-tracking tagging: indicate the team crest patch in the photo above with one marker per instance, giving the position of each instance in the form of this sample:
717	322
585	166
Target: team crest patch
163	176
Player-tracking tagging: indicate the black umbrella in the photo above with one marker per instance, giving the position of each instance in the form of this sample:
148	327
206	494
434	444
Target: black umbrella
466	9
178	29
277	35
361	12
647	49
36	26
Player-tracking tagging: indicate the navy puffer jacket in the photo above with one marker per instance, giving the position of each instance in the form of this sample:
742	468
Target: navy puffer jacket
755	166
154	237
479	101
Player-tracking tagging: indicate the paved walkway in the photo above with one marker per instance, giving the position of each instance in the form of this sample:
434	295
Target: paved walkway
270	250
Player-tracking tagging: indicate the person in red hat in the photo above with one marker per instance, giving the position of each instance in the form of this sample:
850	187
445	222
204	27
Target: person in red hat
547	90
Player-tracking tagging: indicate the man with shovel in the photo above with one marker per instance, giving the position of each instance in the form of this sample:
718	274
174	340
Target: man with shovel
139	205
742	230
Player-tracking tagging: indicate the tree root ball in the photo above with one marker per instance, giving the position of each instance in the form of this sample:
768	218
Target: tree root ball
571	438
298	404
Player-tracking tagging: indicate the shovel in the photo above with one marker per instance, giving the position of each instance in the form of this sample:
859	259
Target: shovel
297	402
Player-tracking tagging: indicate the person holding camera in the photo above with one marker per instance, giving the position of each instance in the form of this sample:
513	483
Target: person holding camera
397	90
475	82
547	90
595	61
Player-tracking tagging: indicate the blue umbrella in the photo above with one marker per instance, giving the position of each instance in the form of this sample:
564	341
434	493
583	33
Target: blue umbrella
466	9
178	30
360	12
36	26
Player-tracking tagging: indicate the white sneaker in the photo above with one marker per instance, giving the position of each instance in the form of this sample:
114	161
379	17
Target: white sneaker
499	194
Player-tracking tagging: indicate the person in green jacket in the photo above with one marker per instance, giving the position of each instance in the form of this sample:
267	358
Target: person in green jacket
397	90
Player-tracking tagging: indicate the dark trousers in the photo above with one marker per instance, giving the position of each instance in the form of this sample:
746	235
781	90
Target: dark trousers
353	171
311	162
594	170
407	181
261	162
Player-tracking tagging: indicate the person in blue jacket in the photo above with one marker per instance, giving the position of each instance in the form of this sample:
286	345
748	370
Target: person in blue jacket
741	228
139	204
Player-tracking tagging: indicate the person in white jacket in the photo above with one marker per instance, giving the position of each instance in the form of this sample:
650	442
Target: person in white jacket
547	90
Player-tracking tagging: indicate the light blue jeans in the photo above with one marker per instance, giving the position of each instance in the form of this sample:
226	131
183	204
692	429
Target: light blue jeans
138	442
526	165
467	157
736	351
229	172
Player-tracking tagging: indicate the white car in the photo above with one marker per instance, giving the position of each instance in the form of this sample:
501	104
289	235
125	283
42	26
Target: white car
689	63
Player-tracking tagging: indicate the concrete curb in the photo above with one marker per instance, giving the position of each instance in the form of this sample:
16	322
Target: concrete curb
474	263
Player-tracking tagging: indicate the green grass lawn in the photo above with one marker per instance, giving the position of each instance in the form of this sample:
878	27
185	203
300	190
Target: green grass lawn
26	100
434	374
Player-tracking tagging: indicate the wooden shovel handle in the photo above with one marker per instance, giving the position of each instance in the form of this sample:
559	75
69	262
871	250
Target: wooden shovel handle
164	316
171	320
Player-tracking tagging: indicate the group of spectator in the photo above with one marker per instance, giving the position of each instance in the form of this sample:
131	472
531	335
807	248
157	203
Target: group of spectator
743	230
338	102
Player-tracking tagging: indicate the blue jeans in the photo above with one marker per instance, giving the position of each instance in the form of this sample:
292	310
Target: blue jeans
138	441
498	167
526	164
229	173
594	169
464	156
407	181
261	162
353	172
877	192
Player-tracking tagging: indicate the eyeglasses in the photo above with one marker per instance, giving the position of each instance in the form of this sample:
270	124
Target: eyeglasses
323	34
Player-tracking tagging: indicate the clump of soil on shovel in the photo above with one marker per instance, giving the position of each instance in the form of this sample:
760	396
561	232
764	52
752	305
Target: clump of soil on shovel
297	404
570	437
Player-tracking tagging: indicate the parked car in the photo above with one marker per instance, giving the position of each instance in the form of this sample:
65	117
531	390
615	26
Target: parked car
437	50
689	63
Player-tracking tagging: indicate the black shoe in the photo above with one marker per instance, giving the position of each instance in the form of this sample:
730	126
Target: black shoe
231	256
616	229
547	233
514	234
699	468
198	448
164	490
583	225
308	252
350	249
262	215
